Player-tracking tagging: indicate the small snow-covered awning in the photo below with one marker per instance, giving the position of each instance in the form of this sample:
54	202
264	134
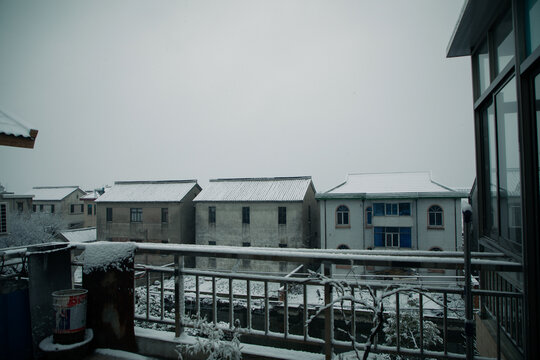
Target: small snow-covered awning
14	133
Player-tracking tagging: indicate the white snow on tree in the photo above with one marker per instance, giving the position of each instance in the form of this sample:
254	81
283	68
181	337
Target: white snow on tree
409	328
29	229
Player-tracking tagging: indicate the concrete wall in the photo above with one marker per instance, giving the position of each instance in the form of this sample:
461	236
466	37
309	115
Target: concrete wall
179	229
262	231
90	219
62	207
358	236
151	229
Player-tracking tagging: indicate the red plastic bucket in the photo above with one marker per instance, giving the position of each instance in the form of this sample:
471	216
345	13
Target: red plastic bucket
70	308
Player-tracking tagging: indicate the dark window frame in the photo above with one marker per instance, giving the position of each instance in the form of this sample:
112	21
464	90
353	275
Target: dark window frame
369	217
245	215
164	215
108	214
435	212
3	218
212	215
282	215
343	216
135	215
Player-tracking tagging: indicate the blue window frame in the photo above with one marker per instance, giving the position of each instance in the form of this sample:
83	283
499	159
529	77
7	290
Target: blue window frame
378	209
392	209
392	237
405	209
369	216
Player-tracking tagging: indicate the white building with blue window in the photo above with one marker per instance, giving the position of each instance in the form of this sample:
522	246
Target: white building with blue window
391	211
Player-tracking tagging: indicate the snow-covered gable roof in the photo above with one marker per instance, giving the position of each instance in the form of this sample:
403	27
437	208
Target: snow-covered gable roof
148	191
386	185
52	193
80	235
94	194
256	189
23	135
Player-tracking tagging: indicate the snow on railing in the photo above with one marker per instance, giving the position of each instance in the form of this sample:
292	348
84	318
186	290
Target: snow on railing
314	308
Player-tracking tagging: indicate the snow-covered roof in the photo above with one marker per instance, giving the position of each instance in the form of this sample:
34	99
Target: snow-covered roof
80	235
256	189
94	194
52	193
148	191
411	184
12	127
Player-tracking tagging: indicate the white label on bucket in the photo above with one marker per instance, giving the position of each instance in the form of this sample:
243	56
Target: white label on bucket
70	314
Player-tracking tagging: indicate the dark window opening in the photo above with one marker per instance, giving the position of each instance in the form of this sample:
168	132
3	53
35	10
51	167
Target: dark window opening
369	216
245	215
109	214
164	215
435	216
135	215
212	214
282	215
342	216
3	218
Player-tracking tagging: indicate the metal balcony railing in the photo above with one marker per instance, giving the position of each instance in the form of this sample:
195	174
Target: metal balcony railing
320	310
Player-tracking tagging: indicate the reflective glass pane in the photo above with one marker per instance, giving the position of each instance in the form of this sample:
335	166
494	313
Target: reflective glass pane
537	95
509	167
532	25
481	60
504	42
491	218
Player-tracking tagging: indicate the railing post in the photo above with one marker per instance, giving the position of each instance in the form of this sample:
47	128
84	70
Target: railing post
328	315
469	320
179	299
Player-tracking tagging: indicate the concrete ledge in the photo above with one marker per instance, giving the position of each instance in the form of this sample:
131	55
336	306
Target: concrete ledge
162	344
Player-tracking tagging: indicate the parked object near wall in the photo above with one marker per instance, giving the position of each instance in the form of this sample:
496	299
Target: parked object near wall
70	309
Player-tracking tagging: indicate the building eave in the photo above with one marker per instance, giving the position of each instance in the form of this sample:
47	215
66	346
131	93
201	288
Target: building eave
19	141
475	19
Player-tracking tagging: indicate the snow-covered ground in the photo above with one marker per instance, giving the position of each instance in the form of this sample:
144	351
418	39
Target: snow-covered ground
408	300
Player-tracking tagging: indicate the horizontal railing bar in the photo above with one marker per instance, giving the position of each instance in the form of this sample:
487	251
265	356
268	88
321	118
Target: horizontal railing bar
155	319
396	259
403	351
497	293
161	269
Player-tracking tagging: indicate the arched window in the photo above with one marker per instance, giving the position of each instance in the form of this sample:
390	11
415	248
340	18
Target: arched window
342	216
369	216
435	217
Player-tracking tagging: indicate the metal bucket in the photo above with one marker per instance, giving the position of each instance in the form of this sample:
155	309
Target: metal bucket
70	308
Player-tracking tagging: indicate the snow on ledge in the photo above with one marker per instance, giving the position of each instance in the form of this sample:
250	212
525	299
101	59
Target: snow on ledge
104	255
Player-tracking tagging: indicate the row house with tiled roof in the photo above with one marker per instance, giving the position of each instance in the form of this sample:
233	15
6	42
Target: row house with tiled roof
275	212
65	201
148	211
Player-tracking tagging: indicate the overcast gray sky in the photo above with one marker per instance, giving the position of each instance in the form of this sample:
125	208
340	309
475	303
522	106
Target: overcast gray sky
142	90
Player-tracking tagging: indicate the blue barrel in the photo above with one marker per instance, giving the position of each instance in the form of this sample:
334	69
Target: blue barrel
15	331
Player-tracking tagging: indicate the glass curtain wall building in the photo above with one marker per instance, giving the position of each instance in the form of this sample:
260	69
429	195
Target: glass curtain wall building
503	40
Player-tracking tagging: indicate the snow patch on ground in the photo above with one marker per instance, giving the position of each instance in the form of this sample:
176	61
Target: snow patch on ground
105	255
